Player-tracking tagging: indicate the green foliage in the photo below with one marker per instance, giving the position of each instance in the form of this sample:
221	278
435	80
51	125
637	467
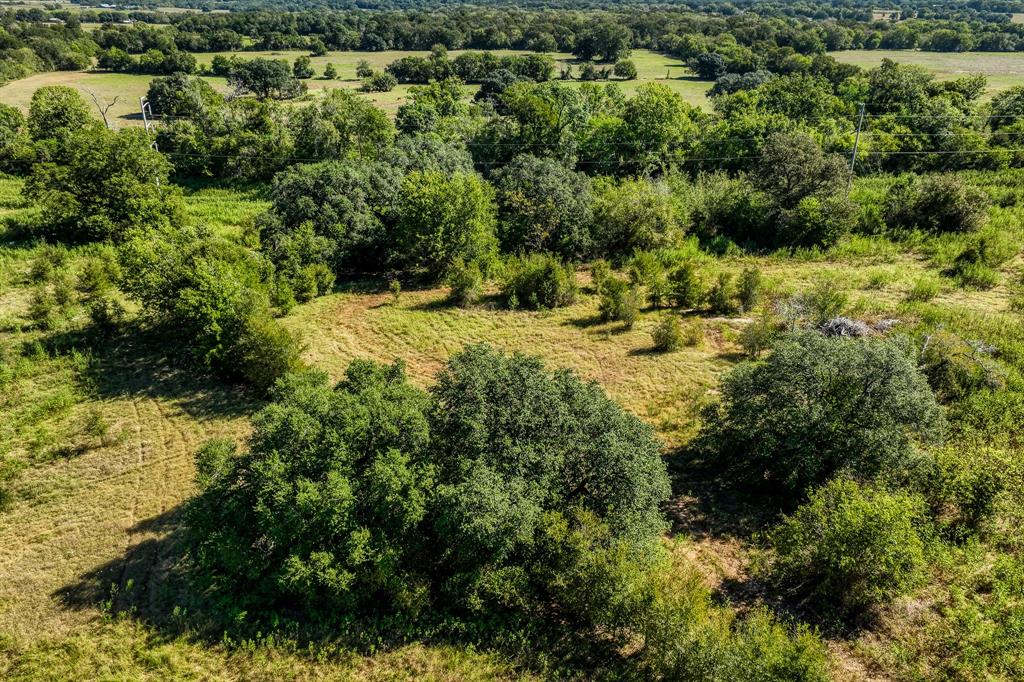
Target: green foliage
850	547
265	78
956	368
538	281
647	269
181	95
16	152
323	510
759	335
936	204
302	68
620	301
748	289
543	206
332	213
817	407
794	167
340	125
444	218
686	286
375	498
634	215
731	208
101	185
379	81
625	69
515	441
924	288
210	294
822	301
721	298
668	335
55	112
466	283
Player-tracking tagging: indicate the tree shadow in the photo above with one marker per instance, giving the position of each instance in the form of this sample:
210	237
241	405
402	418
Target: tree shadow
152	583
143	362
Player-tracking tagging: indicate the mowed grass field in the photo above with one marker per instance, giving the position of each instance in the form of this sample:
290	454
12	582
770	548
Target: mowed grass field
91	528
128	88
1003	69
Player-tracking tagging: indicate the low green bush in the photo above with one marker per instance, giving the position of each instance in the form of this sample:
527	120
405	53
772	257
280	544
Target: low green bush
816	407
924	288
686	286
538	281
668	335
721	297
849	547
620	302
749	289
936	204
465	284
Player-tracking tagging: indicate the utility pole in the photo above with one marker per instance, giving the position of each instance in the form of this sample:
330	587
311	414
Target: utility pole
147	113
856	144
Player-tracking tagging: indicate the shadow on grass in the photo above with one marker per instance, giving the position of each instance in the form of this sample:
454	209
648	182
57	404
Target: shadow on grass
707	505
152	584
139	361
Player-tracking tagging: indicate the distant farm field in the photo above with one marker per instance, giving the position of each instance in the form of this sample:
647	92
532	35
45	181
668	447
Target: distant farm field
1003	69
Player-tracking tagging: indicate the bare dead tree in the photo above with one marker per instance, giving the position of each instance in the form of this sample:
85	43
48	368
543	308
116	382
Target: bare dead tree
102	106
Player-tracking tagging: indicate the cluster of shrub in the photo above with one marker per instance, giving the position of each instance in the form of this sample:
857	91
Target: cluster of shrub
509	501
470	67
414	204
94	185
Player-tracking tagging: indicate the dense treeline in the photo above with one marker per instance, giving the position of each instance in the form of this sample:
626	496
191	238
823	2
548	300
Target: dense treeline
559	30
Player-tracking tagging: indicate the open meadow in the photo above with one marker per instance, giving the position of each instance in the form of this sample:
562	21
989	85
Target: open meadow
1003	69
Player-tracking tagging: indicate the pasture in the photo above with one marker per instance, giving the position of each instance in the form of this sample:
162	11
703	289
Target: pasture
651	66
1003	69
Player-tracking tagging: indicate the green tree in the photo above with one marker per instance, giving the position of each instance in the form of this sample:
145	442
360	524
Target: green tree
634	215
330	72
101	185
56	111
514	441
16	153
625	69
303	67
794	167
338	125
209	295
543	206
323	511
443	218
817	407
850	547
265	78
181	95
333	212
